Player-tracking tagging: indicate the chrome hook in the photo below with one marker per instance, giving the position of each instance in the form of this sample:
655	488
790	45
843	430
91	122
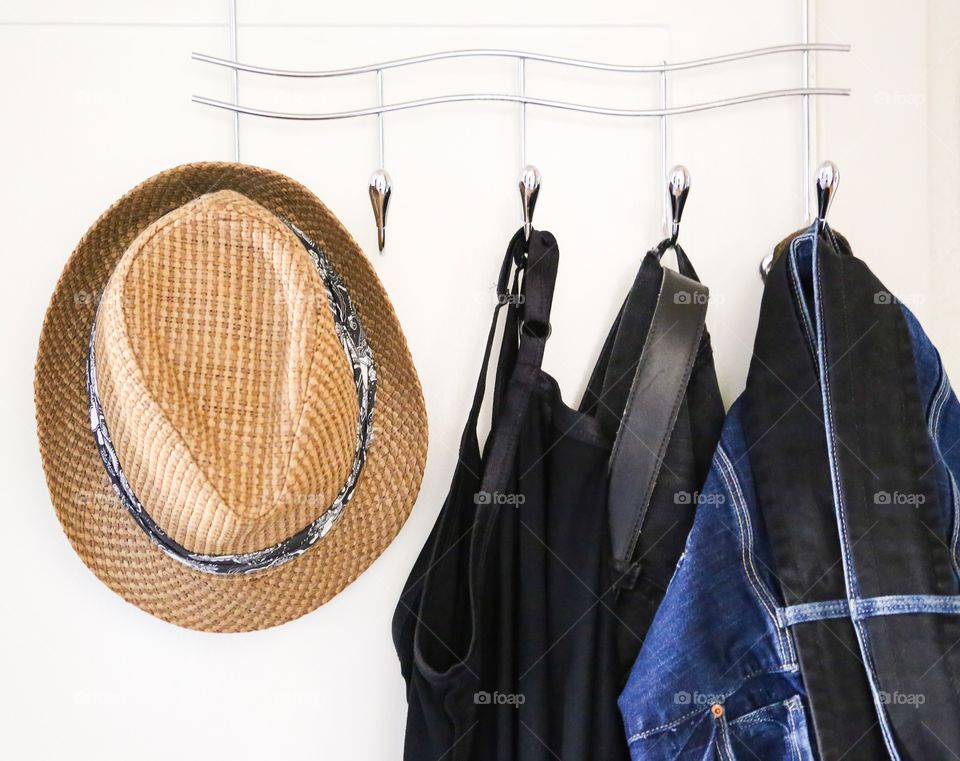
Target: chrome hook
380	186
765	265
828	180
380	189
529	184
678	188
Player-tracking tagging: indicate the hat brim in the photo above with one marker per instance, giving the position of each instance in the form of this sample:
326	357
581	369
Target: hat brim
97	524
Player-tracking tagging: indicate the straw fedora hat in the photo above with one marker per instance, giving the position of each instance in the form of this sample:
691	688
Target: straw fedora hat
230	422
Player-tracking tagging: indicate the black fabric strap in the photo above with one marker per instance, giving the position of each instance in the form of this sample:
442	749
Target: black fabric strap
652	406
516	253
539	278
469	462
469	454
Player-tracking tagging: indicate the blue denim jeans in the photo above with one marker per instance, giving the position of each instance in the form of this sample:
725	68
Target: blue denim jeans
814	612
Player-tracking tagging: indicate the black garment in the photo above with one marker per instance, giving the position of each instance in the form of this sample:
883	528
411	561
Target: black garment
831	338
516	628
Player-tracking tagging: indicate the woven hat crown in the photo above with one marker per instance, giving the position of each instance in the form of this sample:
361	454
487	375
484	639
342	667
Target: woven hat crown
228	396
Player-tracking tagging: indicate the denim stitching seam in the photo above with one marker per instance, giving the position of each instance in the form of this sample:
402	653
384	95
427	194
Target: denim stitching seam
935	415
793	705
793	276
939	403
792	615
955	539
765	597
869	607
850	580
934	425
723	740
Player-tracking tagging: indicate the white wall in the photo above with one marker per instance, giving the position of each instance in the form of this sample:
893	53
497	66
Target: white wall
96	98
943	179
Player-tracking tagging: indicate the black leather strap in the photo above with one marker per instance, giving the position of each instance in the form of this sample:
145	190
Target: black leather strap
654	400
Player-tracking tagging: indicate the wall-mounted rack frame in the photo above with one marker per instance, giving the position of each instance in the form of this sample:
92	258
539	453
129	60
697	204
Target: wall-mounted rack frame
380	184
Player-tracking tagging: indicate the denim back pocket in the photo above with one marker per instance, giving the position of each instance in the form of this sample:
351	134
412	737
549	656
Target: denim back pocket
777	732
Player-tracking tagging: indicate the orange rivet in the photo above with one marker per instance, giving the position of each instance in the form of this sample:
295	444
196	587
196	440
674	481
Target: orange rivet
717	710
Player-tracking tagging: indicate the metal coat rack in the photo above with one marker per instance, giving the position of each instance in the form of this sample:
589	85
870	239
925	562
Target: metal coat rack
676	180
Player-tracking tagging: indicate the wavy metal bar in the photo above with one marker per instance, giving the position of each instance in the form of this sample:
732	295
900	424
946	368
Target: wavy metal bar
521	55
556	104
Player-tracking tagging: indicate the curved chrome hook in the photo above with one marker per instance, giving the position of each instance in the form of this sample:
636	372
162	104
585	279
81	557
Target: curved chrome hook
678	187
766	264
380	188
530	179
828	180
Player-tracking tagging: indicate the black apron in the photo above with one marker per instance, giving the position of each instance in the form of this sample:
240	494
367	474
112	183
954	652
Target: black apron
529	601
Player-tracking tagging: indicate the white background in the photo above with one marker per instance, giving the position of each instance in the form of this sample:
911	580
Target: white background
95	98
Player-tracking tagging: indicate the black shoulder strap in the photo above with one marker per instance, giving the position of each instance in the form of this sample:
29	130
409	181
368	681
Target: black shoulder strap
539	279
506	297
653	403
